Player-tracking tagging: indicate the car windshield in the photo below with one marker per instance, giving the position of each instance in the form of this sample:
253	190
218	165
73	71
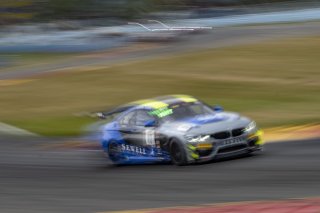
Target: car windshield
183	110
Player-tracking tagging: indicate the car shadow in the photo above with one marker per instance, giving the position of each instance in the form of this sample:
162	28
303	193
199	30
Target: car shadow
111	166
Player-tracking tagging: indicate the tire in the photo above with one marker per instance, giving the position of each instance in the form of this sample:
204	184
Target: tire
177	153
113	151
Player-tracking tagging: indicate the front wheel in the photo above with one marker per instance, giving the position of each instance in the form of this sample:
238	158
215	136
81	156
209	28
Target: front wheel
178	153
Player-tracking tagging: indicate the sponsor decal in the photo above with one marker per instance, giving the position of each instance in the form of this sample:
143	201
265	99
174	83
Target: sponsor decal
133	149
162	112
150	137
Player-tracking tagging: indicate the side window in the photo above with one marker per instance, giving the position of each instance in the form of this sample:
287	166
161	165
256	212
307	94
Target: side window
142	117
128	119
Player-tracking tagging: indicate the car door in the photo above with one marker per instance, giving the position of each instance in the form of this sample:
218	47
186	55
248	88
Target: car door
128	129
147	134
133	130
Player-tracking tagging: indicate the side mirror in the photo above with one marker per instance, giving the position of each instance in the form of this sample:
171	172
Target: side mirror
150	123
218	108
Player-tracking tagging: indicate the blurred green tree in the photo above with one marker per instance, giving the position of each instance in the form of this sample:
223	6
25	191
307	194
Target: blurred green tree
12	11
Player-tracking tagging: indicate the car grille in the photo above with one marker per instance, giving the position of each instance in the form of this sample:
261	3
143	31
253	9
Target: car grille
228	134
237	132
221	135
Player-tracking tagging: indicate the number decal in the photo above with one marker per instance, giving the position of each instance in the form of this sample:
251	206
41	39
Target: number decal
150	137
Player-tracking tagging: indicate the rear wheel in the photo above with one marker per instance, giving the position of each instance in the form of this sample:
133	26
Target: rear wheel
178	153
113	151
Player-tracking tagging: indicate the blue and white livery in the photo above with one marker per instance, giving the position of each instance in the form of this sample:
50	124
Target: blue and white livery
178	129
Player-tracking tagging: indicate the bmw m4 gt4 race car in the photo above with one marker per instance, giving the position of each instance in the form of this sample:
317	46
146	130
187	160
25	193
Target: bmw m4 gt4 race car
178	129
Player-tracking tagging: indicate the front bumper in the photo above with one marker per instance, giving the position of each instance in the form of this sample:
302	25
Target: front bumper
231	147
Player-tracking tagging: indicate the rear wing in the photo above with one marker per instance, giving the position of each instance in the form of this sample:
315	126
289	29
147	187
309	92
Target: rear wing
111	113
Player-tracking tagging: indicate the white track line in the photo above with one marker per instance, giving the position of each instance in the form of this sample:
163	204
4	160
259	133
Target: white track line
6	129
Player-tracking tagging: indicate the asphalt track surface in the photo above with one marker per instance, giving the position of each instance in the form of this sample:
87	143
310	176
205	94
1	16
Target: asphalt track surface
35	178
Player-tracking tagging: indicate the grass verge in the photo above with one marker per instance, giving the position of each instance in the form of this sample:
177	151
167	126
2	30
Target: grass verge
14	61
274	82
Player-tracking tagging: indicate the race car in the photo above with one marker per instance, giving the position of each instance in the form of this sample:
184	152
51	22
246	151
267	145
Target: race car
176	128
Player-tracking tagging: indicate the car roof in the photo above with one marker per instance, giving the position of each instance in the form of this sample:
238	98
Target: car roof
154	103
161	101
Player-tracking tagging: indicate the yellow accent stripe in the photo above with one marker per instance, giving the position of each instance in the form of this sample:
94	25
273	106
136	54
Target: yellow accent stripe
191	150
185	98
191	147
151	103
194	155
260	135
142	101
156	104
205	146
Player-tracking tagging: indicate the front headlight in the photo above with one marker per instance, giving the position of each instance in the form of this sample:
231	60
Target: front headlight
198	139
251	126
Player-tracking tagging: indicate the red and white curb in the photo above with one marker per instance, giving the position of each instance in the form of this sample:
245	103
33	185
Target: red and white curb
306	205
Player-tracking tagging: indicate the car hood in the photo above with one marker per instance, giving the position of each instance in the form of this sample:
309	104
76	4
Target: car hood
208	124
212	118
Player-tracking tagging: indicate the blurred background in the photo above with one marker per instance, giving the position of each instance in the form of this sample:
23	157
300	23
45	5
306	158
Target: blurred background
62	60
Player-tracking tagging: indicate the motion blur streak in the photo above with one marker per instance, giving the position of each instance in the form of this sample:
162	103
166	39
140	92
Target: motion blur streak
62	61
